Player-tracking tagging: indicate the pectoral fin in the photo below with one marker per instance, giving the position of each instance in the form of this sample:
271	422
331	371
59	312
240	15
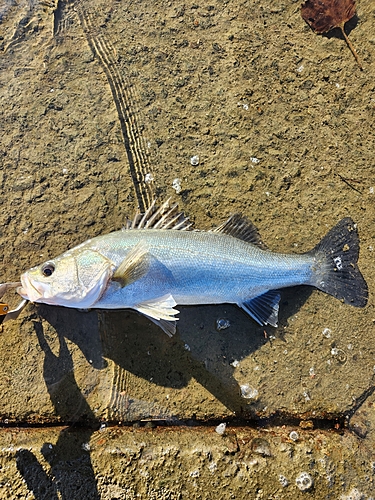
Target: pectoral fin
161	311
133	267
264	309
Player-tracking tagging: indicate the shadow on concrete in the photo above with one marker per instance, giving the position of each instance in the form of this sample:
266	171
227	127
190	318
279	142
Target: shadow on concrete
135	344
198	350
71	474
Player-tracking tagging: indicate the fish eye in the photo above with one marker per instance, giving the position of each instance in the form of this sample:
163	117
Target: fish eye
47	269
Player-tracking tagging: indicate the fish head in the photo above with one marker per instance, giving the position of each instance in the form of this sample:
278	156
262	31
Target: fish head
76	279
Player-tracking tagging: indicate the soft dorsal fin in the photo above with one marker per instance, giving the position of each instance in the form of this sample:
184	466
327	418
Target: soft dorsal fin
240	227
163	217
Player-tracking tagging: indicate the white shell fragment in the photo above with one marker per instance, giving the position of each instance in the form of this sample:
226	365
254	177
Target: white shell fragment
194	160
222	324
176	184
248	392
304	481
283	480
220	429
326	333
294	436
149	178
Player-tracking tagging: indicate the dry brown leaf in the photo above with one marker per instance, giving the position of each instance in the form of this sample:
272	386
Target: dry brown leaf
324	15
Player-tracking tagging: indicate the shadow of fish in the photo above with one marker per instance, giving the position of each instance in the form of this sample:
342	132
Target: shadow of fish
157	262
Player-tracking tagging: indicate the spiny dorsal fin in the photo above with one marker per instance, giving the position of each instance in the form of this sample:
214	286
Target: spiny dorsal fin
163	217
133	267
240	227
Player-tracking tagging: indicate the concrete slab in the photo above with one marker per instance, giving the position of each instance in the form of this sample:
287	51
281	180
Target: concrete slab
63	182
184	463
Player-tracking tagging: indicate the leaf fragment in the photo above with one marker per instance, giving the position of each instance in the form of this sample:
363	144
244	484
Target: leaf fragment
325	15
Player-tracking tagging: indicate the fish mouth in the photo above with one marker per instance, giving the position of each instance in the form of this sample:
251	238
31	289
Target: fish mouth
28	290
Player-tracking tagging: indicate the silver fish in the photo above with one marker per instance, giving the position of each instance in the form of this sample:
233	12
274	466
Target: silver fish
157	262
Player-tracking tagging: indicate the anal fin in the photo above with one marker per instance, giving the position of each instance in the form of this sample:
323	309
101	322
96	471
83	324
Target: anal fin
264	309
161	311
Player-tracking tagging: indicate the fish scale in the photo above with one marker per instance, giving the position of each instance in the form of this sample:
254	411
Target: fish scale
206	267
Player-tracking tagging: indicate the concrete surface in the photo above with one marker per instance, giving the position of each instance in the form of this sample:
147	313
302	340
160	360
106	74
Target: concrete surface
179	463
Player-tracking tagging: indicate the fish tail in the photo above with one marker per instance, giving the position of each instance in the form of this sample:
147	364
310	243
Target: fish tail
335	268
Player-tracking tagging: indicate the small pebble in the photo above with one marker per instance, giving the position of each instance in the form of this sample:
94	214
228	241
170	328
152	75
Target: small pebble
355	494
306	395
261	447
212	467
194	473
339	354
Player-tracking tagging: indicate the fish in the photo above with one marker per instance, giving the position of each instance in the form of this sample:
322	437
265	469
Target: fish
158	261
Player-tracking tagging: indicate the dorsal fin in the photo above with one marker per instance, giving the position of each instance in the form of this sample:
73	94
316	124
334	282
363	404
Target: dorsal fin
240	227
163	217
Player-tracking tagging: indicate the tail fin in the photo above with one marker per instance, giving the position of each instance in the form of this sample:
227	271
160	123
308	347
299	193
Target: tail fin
336	270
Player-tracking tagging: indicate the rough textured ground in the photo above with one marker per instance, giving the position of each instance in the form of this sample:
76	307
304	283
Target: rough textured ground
282	122
183	463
